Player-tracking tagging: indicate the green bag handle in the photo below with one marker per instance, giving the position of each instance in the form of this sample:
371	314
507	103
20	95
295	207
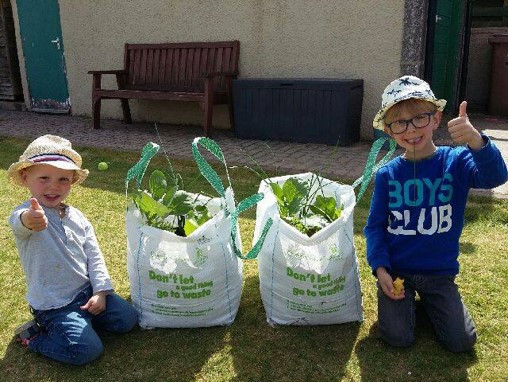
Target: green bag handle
138	170
215	181
243	206
204	167
371	166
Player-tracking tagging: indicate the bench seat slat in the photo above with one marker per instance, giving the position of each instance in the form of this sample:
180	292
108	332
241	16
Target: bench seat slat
156	95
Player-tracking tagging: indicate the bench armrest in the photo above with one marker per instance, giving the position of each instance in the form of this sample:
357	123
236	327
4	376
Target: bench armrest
97	77
120	71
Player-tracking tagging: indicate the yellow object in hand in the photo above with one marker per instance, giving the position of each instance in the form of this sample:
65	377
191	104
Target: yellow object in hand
398	286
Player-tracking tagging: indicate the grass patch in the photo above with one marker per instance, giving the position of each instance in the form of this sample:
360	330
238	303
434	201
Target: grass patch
250	350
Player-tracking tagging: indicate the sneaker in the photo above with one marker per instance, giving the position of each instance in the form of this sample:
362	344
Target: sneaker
27	331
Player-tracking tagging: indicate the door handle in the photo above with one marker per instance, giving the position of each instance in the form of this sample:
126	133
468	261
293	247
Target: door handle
57	42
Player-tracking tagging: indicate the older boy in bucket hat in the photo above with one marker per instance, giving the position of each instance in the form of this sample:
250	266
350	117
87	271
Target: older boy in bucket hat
69	290
417	214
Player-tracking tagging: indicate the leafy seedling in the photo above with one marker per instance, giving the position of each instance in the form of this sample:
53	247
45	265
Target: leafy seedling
305	210
165	206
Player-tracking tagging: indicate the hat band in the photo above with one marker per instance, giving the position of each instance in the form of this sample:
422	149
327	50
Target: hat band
50	158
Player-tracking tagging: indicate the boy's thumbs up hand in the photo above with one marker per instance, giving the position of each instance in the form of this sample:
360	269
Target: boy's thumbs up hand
462	109
34	218
463	132
35	204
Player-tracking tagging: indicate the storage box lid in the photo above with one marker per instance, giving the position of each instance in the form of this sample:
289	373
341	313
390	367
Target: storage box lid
297	83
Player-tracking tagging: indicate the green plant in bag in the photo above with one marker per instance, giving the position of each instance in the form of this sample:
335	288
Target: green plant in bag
165	205
307	211
326	207
290	196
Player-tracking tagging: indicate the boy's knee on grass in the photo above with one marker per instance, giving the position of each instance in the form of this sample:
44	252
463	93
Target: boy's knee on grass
84	353
127	323
121	318
460	343
397	339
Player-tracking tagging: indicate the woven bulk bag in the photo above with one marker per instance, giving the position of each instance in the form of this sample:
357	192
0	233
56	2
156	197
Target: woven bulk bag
193	281
309	280
313	280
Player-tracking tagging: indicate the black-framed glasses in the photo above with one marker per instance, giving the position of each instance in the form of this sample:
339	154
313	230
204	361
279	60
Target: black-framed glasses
418	121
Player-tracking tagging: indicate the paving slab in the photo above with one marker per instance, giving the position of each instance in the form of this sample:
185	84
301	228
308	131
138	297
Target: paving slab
343	163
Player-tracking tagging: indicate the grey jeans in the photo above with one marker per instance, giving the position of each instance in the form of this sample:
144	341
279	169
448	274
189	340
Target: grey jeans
443	304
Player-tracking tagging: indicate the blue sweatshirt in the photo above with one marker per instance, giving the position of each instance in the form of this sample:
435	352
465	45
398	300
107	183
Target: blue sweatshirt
416	229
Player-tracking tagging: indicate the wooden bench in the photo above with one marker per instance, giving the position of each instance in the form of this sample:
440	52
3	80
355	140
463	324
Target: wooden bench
193	71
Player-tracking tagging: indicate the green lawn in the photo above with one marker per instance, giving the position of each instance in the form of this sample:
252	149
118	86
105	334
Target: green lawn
251	350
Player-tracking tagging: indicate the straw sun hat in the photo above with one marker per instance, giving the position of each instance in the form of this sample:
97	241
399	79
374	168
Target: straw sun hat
51	150
401	89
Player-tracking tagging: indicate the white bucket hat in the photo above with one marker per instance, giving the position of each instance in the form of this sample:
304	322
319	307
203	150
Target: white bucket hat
51	150
401	89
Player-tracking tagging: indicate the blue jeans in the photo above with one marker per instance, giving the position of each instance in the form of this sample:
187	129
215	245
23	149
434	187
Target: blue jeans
69	333
443	304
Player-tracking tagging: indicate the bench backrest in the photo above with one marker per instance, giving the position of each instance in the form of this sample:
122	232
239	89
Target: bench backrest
179	66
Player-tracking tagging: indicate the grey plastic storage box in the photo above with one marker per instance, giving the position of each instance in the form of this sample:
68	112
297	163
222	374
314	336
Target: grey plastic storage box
298	110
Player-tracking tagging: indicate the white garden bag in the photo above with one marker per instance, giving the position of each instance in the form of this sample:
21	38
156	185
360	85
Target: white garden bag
313	280
309	280
194	281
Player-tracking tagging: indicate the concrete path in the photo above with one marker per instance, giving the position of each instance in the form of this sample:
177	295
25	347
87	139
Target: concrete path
344	163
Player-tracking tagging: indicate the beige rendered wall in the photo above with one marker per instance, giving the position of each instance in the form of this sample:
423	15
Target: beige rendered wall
278	39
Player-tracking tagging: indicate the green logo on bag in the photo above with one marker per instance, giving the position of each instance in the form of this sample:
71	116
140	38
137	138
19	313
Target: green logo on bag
200	257
335	253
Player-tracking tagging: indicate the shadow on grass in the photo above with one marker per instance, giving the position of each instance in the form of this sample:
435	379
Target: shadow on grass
163	354
426	360
467	248
286	353
480	208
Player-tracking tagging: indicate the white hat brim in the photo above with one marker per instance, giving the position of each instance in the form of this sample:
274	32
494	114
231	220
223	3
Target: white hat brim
14	170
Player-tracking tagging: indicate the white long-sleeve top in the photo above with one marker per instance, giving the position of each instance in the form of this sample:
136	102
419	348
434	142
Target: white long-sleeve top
61	260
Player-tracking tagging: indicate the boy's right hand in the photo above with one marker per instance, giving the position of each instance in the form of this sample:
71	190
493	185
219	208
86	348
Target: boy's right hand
34	218
386	284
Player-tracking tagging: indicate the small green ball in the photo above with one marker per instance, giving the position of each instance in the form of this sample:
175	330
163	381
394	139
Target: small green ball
102	166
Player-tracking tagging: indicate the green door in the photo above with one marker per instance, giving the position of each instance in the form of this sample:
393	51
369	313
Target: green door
447	50
41	38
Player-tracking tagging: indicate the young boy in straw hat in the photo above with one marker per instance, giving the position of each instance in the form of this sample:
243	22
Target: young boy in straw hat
69	289
417	214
